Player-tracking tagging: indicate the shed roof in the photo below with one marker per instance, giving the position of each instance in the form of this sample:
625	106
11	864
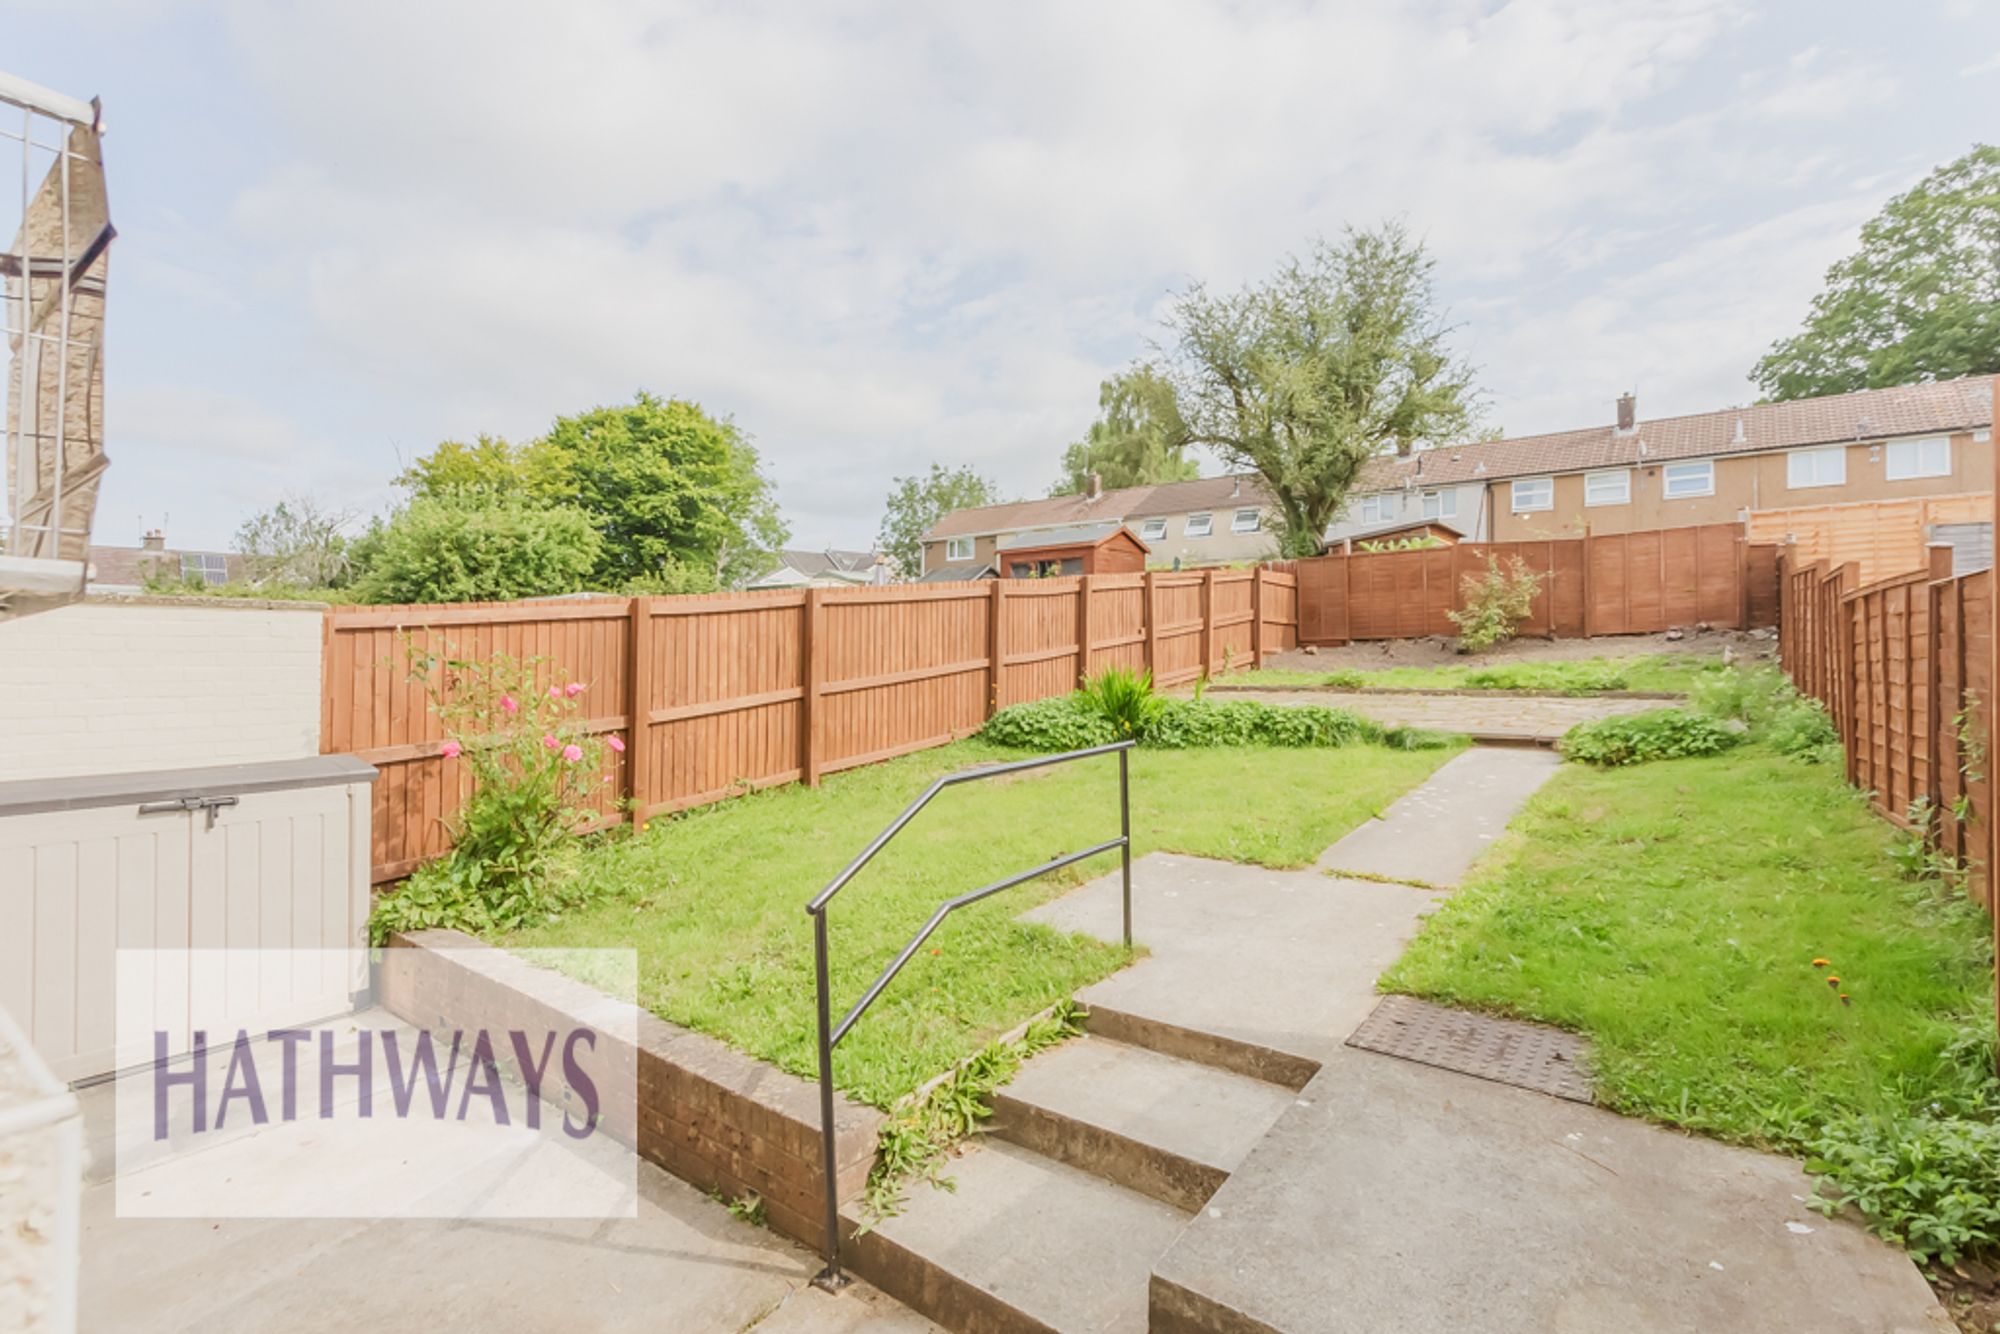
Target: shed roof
1082	535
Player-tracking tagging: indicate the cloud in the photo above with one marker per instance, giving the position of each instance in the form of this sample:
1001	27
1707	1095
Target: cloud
880	234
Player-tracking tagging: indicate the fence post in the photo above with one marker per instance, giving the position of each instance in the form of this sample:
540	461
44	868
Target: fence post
1082	628
1152	619
639	708
812	653
1256	617
995	666
1208	621
1589	545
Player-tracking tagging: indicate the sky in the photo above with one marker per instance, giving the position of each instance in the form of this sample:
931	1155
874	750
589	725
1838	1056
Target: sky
882	235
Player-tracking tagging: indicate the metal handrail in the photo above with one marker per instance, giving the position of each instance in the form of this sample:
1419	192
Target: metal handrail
830	1034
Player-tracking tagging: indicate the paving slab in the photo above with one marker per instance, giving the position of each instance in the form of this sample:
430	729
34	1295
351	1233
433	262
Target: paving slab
1436	831
1397	1196
1285	961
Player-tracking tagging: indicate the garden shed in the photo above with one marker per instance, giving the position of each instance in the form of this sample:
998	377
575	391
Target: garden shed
1103	548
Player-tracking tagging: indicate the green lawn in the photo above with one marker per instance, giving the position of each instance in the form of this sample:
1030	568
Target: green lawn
1674	911
713	900
1668	672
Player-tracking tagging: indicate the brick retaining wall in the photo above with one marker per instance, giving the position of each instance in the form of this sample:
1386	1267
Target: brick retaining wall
710	1115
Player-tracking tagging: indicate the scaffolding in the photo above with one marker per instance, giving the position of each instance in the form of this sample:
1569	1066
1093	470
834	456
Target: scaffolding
54	320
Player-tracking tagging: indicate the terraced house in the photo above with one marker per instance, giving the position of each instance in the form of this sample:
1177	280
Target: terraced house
1868	476
1209	521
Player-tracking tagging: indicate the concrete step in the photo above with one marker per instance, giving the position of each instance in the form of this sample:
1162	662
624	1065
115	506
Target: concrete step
1023	1243
1239	1055
1165	1127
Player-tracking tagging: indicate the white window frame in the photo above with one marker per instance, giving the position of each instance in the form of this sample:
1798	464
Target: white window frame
1152	530
1441	503
1594	483
1703	483
958	548
1376	509
1928	457
1249	520
1546	486
1808	468
1198	525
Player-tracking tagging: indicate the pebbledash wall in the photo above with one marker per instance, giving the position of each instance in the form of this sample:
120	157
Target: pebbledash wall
133	685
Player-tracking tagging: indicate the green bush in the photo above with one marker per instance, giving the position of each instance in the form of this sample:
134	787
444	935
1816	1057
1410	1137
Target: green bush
489	549
1066	722
1662	734
1572	678
1417	738
1751	696
1189	724
1801	728
1125	698
1495	603
1927	1183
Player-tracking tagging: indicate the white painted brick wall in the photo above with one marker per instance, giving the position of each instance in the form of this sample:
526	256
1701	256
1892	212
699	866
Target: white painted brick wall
132	686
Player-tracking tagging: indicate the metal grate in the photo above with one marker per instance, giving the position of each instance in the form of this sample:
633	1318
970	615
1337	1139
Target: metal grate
1506	1051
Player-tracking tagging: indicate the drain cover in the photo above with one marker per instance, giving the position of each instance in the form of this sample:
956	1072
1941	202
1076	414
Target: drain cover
1506	1051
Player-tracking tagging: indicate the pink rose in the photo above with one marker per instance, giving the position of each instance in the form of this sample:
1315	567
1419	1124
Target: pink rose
555	692
616	743
573	689
572	752
549	740
510	704
450	750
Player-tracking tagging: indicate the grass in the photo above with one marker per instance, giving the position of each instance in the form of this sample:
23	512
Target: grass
1673	673
713	900
1674	912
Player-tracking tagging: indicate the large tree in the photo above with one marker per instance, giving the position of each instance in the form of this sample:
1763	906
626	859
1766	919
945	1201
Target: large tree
1920	300
679	497
1138	439
1304	377
297	543
915	505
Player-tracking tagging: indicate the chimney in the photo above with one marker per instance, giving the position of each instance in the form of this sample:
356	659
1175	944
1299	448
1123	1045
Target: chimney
1093	487
1628	414
154	540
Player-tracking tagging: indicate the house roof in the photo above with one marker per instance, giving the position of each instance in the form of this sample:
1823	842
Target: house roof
1085	535
130	566
1113	507
957	574
831	559
1870	414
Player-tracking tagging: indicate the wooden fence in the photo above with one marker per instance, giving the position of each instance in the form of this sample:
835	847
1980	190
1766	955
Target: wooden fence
720	694
1616	584
1904	666
1883	537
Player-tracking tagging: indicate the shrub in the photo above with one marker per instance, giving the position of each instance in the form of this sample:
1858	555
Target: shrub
1189	724
467	549
1066	722
1924	1182
1572	678
1125	698
1750	696
1662	734
1417	738
1495	603
1801	728
535	772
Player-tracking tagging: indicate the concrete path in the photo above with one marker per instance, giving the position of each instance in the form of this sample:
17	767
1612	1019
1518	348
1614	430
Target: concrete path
1390	1195
1433	835
1490	717
684	1263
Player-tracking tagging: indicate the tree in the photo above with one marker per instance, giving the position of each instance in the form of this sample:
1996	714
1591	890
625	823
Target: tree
1138	439
1308	375
916	504
679	497
1920	300
478	549
297	543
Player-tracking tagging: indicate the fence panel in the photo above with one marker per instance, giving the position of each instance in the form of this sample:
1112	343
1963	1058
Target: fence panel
1625	583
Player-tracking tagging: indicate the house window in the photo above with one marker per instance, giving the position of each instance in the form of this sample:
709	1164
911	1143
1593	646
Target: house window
1816	467
1153	529
1198	525
1440	504
205	567
1534	493
1679	481
1608	488
1246	521
958	548
1377	509
1918	458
